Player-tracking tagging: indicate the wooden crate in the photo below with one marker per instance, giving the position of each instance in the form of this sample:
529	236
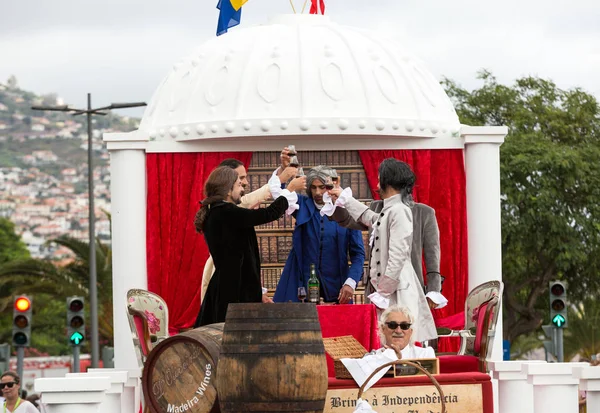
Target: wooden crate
343	347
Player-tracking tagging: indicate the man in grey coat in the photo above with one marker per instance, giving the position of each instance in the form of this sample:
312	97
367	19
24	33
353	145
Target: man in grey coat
426	241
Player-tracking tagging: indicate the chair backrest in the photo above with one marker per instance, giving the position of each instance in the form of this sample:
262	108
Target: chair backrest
479	295
148	317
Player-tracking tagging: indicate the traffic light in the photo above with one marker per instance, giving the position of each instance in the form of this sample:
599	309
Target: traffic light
558	304
75	321
21	330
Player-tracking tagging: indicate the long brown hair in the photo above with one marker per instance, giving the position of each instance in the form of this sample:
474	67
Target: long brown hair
217	186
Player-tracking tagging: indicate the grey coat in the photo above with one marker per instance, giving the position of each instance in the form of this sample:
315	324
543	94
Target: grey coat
391	273
426	240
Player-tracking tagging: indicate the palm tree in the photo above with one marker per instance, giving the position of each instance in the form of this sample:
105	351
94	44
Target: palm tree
38	276
582	335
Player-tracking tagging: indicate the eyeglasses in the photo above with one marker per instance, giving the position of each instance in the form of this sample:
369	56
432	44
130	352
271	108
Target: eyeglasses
9	385
392	325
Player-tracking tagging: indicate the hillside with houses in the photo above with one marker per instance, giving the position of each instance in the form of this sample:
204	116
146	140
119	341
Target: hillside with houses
43	170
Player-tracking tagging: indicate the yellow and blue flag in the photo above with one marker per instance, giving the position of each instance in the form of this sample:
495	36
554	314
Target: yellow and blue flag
230	14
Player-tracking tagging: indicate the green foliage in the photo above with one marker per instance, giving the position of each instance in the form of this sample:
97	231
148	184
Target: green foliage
550	180
523	345
583	335
49	286
11	246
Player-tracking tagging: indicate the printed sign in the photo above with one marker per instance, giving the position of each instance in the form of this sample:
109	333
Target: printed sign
460	398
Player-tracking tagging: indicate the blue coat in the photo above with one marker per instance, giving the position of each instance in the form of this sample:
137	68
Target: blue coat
318	240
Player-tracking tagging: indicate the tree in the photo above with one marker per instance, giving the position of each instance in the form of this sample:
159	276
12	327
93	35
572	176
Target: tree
583	335
11	246
550	180
42	278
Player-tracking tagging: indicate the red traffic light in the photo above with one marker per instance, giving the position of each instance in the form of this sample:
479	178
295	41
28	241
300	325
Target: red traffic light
22	304
76	306
557	289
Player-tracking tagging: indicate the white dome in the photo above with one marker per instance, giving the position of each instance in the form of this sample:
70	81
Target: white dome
299	74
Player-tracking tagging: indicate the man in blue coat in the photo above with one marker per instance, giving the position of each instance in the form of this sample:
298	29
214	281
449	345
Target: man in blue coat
317	240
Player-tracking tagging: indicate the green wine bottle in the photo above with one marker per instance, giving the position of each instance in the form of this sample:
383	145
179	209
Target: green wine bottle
313	286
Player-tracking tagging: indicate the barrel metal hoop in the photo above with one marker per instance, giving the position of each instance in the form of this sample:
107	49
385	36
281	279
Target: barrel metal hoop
232	326
267	349
291	406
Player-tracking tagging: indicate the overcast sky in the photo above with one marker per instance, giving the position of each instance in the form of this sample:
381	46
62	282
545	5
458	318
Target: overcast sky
119	50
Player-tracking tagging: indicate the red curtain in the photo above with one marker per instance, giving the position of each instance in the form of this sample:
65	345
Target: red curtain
175	252
441	184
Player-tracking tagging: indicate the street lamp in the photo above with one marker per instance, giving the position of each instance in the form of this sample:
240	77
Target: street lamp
92	219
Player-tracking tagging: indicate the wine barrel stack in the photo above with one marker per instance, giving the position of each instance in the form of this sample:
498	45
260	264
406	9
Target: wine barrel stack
180	373
272	359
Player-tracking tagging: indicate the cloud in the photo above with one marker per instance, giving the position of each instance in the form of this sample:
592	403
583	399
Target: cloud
120	50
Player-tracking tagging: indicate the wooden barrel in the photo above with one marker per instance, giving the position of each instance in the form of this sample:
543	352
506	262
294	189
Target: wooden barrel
180	373
272	359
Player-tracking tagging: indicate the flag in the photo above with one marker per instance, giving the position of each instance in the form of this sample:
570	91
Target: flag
314	9
228	15
237	4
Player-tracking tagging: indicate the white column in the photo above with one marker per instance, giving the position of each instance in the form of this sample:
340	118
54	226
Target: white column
113	401
515	395
589	377
132	390
72	395
482	168
554	387
128	197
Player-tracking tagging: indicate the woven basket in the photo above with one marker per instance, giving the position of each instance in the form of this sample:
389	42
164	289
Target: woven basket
343	347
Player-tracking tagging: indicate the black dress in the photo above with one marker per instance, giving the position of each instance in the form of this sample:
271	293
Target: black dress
229	233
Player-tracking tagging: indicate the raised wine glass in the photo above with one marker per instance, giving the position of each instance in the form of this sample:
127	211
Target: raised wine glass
329	184
335	177
292	150
301	294
300	173
294	161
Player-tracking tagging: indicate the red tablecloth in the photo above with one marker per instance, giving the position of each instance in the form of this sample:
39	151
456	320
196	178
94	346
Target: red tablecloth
358	320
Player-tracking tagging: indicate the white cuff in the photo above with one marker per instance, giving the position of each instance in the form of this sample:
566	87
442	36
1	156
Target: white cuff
328	209
437	298
343	198
292	199
275	185
264	290
351	283
379	300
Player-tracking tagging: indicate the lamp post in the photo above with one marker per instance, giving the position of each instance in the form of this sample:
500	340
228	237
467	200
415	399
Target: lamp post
92	218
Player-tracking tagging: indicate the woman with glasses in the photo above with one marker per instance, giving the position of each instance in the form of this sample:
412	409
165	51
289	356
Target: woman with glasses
9	384
396	332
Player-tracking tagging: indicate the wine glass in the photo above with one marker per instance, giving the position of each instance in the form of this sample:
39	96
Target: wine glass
292	150
300	173
335	177
294	161
301	294
329	184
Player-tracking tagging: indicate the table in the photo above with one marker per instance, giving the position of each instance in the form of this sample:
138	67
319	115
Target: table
358	320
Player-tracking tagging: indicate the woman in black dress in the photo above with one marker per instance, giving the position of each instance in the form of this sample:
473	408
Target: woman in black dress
229	233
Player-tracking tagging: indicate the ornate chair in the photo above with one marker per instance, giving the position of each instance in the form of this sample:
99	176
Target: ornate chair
148	317
481	315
